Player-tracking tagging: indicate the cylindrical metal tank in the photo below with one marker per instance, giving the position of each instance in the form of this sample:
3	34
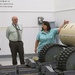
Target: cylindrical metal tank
67	34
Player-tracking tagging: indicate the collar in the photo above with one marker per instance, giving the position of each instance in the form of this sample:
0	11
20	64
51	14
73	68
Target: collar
43	32
18	26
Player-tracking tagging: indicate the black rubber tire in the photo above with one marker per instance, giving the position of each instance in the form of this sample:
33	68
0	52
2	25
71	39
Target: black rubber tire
63	58
45	49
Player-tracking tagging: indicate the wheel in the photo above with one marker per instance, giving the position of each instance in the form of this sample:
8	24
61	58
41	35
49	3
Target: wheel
66	59
50	52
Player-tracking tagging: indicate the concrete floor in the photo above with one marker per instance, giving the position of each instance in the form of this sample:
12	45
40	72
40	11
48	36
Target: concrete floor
7	61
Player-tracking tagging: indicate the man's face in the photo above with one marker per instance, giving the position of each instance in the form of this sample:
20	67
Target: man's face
15	20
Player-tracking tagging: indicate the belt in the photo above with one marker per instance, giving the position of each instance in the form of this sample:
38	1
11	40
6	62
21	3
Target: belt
15	41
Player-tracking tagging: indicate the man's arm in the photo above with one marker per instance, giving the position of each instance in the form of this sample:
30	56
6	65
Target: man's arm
7	33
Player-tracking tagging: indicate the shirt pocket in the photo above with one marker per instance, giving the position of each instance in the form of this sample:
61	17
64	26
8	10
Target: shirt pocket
12	31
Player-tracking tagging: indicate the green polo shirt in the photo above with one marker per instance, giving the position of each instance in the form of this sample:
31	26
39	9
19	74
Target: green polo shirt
46	37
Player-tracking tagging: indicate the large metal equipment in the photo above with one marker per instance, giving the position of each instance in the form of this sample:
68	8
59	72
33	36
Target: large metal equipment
67	57
18	70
